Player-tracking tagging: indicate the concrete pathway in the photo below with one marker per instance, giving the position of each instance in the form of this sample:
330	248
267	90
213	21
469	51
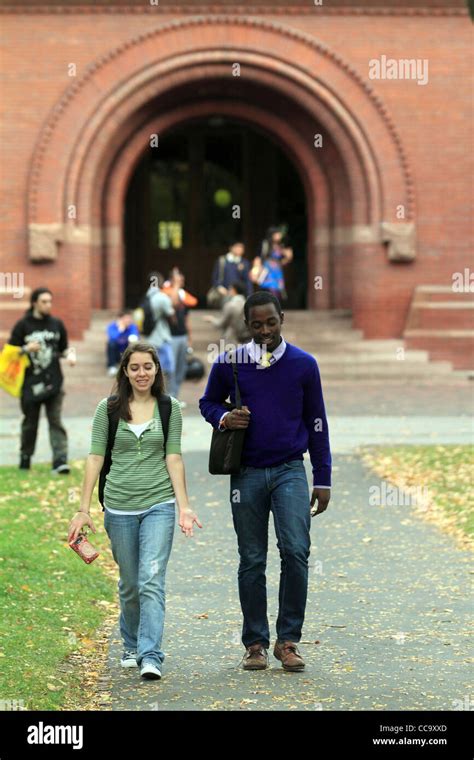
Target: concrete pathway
387	618
389	602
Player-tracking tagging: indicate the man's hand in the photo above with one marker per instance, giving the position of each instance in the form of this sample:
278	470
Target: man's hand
237	418
322	495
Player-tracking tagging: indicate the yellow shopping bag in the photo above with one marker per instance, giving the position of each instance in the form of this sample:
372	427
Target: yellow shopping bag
12	369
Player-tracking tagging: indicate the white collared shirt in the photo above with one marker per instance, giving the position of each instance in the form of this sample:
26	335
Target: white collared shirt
256	351
233	258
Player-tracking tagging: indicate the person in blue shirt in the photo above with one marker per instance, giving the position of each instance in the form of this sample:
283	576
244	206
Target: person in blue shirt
267	269
120	333
284	416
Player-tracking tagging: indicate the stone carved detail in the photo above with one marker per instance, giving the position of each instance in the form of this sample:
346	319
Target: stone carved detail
400	237
44	240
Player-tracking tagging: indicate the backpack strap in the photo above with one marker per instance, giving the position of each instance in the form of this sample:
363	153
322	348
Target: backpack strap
113	417
164	408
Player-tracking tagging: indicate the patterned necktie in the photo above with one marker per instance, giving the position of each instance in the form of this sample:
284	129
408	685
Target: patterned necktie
265	360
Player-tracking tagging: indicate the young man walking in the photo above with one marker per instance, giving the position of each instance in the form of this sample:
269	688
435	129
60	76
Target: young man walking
284	415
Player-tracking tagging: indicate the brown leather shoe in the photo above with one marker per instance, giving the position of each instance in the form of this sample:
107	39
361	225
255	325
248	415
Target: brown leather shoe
287	652
255	658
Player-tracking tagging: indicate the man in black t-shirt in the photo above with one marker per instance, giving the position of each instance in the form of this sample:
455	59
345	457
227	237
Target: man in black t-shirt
44	338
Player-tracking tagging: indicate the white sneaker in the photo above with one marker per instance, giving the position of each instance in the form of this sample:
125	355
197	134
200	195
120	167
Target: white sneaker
129	659
112	371
149	670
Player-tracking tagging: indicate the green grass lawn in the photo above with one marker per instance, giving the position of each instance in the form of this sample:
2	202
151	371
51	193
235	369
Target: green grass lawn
446	471
51	602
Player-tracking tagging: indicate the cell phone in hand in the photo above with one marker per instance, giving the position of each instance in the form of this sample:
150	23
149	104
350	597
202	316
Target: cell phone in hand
84	548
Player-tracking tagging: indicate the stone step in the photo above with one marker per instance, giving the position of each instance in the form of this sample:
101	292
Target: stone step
441	321
341	351
90	359
456	346
430	293
328	369
381	371
445	315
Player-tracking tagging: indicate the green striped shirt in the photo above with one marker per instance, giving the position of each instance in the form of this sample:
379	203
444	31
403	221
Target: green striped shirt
138	476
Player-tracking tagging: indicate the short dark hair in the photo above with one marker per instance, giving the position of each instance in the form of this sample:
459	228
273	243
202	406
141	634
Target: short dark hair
37	293
260	298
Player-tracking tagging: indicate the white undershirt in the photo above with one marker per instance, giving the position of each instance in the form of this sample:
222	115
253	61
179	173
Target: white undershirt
138	430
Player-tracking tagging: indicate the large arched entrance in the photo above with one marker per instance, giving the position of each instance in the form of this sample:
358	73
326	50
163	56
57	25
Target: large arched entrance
319	111
207	183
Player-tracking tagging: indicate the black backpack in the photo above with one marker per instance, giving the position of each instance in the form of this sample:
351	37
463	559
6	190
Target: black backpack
164	408
149	319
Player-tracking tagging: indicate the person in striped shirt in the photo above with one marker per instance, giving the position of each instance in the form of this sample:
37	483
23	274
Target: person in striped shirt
145	483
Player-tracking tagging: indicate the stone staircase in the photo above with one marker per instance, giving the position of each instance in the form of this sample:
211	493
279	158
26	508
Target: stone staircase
441	322
341	351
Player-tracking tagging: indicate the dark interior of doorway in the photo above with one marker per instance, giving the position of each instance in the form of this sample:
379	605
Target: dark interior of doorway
205	184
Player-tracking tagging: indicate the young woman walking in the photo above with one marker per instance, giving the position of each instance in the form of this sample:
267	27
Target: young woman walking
145	483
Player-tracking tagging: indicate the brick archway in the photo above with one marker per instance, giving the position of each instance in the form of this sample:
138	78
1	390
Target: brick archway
109	266
351	191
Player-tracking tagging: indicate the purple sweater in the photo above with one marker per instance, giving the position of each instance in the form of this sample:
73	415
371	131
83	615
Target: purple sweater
286	402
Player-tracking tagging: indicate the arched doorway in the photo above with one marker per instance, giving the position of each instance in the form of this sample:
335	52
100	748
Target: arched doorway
290	85
209	182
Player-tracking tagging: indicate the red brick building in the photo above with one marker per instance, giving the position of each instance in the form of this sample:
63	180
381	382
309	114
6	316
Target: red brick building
124	122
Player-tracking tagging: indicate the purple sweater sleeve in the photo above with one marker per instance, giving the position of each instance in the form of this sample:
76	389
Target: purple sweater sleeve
217	390
314	414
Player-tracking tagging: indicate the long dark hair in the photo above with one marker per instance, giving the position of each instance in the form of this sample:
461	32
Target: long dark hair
122	387
267	244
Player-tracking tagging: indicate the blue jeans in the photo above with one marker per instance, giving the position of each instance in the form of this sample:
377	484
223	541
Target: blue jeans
114	353
284	491
166	358
180	345
141	546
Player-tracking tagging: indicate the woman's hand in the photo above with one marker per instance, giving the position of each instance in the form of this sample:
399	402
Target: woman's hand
187	518
78	521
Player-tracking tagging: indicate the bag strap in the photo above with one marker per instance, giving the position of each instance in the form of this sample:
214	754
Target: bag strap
238	399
